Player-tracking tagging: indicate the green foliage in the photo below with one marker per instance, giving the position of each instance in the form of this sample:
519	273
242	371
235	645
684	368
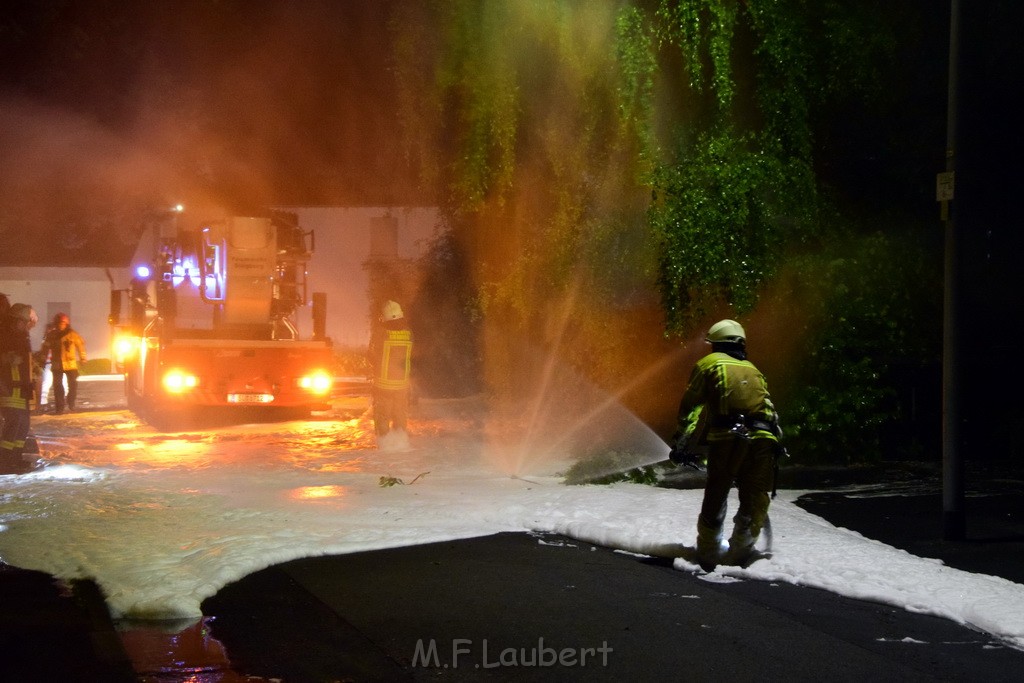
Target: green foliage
545	133
725	214
785	93
880	310
638	67
351	362
610	467
388	481
740	190
741	197
96	366
583	181
703	30
447	325
476	80
619	258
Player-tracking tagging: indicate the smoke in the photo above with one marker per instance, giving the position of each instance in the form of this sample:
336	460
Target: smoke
260	102
64	178
107	110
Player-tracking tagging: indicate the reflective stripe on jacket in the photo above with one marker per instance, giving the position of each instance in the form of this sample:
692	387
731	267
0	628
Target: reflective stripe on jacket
395	361
15	371
722	386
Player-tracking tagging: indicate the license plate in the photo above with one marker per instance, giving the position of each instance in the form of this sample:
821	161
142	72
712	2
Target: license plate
250	398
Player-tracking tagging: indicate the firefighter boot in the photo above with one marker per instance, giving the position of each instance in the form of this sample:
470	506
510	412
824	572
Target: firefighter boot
7	462
11	462
709	545
741	543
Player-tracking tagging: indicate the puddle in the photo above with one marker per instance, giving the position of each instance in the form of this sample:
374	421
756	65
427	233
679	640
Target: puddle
162	652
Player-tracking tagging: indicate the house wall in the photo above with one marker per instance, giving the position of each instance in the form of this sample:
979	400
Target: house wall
343	238
82	293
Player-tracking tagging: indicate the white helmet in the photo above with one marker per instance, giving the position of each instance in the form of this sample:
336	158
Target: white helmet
24	312
726	330
392	311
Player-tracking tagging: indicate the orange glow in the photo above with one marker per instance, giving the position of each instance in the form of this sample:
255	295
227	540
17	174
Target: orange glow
176	445
125	346
318	492
172	453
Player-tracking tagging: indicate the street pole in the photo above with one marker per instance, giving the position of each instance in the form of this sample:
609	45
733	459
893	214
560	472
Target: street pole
954	522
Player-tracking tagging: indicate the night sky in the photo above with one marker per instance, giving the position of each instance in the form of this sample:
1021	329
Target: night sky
108	105
111	106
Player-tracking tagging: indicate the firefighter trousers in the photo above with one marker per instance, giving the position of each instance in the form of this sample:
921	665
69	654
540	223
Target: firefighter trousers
390	410
750	464
58	388
16	422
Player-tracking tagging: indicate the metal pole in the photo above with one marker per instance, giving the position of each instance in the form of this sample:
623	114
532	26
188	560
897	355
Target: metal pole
954	527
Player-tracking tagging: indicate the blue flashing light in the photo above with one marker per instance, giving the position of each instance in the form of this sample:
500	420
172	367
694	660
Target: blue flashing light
142	272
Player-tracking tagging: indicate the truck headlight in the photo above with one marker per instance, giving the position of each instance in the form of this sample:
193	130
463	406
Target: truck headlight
177	381
317	382
125	347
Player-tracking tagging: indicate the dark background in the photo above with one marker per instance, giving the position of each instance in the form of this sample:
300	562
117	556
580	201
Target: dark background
112	107
109	108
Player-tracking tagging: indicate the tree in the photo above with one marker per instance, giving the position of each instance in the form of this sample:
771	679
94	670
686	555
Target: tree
520	109
692	162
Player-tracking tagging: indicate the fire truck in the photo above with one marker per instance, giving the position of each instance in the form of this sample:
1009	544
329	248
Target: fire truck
210	320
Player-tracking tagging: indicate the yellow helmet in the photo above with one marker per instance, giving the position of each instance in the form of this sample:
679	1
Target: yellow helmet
726	330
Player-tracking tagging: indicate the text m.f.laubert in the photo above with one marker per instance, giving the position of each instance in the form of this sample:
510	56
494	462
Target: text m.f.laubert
488	657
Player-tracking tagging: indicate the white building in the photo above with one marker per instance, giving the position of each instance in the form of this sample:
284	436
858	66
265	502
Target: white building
82	293
344	240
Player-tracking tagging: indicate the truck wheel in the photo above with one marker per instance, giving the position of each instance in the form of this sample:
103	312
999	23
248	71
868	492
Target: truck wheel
133	399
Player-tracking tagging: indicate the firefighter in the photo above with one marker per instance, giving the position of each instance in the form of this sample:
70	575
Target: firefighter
727	406
391	359
66	349
16	385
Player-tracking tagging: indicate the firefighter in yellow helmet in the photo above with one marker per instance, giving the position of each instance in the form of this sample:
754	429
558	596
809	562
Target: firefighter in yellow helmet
727	406
391	359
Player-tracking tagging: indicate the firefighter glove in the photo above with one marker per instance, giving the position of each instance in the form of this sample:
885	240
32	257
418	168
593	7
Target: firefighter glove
681	456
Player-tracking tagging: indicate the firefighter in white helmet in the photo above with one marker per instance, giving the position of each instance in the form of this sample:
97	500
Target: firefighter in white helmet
727	406
16	386
391	359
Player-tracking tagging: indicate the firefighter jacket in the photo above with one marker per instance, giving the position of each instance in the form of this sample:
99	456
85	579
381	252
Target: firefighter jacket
16	383
391	356
726	393
67	348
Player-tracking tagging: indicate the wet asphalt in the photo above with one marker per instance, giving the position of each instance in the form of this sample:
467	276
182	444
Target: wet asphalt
517	606
547	608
